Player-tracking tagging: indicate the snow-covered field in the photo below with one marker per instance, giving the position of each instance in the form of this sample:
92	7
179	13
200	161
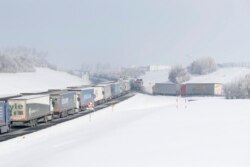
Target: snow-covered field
145	131
41	80
222	75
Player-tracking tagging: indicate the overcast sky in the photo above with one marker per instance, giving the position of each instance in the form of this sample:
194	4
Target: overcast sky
130	31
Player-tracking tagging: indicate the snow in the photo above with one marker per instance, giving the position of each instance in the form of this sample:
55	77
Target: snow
222	75
41	80
152	77
142	131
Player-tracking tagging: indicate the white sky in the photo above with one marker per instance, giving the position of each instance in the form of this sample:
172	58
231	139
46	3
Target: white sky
128	32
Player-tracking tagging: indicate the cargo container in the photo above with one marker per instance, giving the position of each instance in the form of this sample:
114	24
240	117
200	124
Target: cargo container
4	117
166	89
202	89
99	95
63	103
125	86
106	88
84	96
30	110
115	89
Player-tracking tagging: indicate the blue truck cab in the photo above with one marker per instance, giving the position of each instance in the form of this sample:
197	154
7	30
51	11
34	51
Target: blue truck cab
4	117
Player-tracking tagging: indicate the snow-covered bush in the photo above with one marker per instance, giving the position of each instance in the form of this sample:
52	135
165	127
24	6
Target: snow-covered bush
178	74
238	89
203	66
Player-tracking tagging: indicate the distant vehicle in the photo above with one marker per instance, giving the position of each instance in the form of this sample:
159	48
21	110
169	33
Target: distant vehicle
4	117
188	89
125	86
30	110
166	89
137	84
202	89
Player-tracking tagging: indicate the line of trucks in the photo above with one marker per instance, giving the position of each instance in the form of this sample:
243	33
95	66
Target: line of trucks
29	109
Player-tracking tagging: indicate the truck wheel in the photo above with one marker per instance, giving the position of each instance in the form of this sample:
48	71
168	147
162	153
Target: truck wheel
34	123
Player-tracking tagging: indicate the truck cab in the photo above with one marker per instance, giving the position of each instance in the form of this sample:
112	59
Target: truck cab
4	117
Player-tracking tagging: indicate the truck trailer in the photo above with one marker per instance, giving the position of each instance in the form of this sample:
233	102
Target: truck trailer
4	117
202	89
99	95
63	103
115	89
30	110
125	86
169	89
84	96
106	88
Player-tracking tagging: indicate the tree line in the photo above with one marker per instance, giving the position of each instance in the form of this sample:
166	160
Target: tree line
202	66
14	60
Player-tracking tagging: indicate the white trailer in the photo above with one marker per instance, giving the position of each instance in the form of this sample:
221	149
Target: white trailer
99	95
29	110
106	88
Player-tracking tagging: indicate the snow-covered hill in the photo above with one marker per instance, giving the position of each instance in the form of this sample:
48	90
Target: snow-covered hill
222	75
41	80
143	131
